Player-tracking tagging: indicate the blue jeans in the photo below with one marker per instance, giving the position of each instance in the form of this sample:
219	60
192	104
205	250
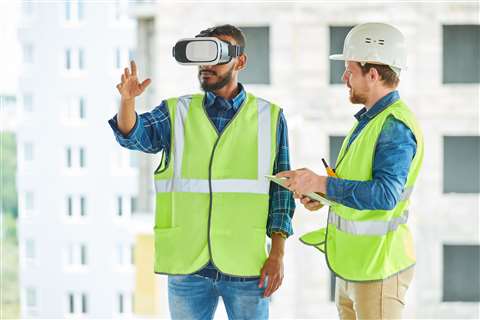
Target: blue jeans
196	296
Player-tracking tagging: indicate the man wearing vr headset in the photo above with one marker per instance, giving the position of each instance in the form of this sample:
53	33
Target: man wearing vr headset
214	207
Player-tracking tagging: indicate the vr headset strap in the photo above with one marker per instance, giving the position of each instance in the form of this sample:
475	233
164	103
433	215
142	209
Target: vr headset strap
234	50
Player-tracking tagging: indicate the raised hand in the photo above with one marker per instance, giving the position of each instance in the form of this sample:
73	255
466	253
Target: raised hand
130	87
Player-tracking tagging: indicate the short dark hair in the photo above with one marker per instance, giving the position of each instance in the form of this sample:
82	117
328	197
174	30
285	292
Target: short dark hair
389	77
225	30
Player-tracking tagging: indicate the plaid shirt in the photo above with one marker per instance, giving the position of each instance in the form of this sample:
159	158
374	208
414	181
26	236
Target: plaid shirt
151	134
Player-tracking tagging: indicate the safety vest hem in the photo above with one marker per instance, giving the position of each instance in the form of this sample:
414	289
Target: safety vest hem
314	245
370	280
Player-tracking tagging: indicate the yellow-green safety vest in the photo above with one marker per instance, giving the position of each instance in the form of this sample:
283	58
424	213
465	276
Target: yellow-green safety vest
367	245
212	197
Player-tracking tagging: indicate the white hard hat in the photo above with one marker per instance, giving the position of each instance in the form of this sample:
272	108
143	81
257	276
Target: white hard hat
377	43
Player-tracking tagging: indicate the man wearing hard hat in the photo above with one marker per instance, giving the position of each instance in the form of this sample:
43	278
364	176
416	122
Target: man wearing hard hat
367	243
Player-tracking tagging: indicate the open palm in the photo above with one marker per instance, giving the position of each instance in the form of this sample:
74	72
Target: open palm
130	87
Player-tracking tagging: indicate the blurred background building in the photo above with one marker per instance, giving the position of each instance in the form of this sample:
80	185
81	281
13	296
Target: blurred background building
85	205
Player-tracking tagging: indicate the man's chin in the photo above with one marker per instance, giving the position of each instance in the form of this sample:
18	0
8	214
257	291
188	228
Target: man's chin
207	86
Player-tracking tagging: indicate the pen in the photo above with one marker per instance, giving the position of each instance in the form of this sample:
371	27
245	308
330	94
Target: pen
330	171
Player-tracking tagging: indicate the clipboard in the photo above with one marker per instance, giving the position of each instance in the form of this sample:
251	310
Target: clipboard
311	195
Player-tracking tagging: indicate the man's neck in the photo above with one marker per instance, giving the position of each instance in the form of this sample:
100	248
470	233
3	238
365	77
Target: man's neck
376	95
229	91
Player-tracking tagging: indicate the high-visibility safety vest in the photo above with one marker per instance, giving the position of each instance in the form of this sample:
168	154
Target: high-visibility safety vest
366	245
212	197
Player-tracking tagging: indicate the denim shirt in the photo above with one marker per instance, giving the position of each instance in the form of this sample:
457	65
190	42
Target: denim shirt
151	134
396	147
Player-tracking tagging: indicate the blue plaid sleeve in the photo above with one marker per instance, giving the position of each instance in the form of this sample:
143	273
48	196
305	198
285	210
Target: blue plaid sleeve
150	134
282	204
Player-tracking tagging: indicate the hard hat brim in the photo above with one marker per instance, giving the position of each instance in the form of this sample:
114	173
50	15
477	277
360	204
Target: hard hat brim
336	57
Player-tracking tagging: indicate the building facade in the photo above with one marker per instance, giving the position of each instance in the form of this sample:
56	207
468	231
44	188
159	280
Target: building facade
77	188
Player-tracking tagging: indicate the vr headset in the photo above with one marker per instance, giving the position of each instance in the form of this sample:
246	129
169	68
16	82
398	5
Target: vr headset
205	51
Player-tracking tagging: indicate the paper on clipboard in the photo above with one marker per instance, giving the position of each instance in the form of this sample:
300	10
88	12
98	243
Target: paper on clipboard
311	195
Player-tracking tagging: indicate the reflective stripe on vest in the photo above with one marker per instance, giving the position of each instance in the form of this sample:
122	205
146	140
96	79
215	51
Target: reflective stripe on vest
366	228
261	185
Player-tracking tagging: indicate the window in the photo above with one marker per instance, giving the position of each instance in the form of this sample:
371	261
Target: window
28	102
125	206
73	10
74	59
81	108
71	303
28	151
27	8
122	57
120	255
258	52
335	144
76	206
69	206
83	206
461	49
74	154
131	54
120	303
134	160
29	201
69	157
84	303
29	251
124	305
461	265
119	206
120	11
81	60
337	37
75	109
77	255
77	303
8	103
133	204
124	161
27	53
118	58
31	297
125	255
68	59
461	158
83	255
82	157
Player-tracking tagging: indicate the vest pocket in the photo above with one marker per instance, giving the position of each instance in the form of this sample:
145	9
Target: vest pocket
315	238
167	249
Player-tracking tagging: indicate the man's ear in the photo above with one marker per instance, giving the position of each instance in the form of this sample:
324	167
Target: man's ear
373	74
241	62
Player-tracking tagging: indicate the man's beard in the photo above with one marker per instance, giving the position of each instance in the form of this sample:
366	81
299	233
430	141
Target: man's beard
222	81
357	98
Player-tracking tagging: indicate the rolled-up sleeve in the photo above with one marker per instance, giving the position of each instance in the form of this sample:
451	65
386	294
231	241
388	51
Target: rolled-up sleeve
282	204
396	147
150	134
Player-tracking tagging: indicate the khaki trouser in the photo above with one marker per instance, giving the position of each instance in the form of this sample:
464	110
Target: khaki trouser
383	299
